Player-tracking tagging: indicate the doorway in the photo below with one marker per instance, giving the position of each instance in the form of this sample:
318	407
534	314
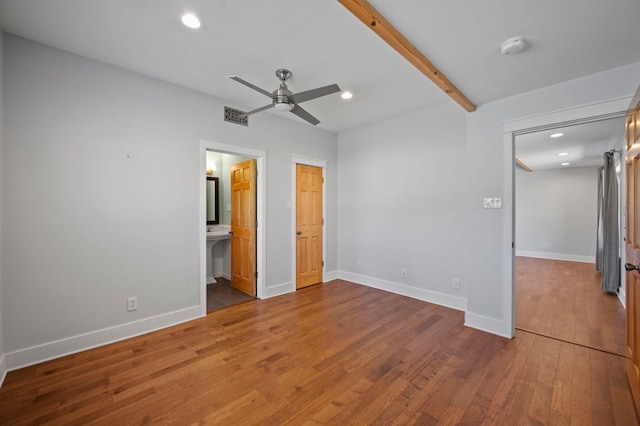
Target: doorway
583	114
232	154
558	291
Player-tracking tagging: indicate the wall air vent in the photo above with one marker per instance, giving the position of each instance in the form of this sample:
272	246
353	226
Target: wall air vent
236	116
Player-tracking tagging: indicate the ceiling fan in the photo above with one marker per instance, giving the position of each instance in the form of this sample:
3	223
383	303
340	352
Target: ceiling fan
283	99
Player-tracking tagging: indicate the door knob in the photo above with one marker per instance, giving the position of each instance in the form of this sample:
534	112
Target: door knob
299	233
230	233
630	267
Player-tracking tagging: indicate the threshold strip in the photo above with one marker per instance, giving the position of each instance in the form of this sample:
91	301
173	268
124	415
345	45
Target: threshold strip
573	343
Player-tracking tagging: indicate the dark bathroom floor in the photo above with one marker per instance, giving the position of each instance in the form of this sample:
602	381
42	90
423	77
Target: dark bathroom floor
221	295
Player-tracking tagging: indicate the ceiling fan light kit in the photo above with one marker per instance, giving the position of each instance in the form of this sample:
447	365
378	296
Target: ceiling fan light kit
283	106
512	46
282	99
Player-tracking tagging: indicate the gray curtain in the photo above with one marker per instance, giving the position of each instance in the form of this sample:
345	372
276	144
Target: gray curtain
608	209
599	241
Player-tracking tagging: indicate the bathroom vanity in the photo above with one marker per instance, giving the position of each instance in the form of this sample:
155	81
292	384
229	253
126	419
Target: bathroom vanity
216	235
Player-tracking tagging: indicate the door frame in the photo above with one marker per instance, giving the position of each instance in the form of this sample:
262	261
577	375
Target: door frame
261	216
582	114
297	159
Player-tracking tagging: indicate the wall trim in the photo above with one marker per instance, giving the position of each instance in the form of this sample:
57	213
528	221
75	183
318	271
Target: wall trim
622	297
279	289
610	108
489	325
331	275
82	342
442	299
3	369
556	256
316	162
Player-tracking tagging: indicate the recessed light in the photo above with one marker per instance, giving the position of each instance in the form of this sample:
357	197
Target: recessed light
346	95
563	154
565	164
556	135
190	20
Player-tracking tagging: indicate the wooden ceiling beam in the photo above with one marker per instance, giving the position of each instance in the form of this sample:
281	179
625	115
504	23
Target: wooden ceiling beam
374	20
522	165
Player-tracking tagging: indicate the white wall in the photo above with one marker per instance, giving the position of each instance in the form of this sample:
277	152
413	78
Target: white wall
402	204
2	358
488	159
104	197
556	213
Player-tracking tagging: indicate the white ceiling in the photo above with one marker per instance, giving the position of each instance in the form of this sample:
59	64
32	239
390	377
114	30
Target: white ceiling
322	43
584	145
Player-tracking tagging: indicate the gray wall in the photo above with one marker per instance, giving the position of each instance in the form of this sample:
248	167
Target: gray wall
556	213
104	195
401	201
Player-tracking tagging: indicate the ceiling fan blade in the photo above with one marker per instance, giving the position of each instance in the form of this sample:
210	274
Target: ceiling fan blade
314	93
259	109
246	83
302	113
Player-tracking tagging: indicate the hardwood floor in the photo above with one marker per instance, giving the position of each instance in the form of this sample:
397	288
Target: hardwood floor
564	300
337	353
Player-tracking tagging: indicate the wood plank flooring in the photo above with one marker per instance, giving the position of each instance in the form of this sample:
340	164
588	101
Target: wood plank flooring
337	353
564	300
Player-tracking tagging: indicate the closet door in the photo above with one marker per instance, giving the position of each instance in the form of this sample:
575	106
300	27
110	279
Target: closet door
309	223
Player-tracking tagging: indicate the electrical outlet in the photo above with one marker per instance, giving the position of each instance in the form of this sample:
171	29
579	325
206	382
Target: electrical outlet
358	264
455	283
403	274
132	304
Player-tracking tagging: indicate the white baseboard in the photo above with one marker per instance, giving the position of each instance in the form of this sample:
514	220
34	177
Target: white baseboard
279	289
56	349
330	276
556	256
289	287
3	369
622	297
453	302
490	325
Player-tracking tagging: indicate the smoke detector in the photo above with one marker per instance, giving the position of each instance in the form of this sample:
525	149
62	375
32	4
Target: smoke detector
512	46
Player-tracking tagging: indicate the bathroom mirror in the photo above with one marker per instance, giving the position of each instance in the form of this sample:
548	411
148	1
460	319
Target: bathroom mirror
212	201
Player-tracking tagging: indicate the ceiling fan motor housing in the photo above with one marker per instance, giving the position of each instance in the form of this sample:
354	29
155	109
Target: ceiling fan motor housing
281	98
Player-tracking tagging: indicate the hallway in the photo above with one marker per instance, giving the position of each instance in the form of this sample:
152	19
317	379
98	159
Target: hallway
563	300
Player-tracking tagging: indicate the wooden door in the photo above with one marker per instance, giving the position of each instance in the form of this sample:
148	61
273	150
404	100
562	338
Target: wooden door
309	224
243	227
633	252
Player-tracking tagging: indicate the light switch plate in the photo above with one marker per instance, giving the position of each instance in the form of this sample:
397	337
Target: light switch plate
492	203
